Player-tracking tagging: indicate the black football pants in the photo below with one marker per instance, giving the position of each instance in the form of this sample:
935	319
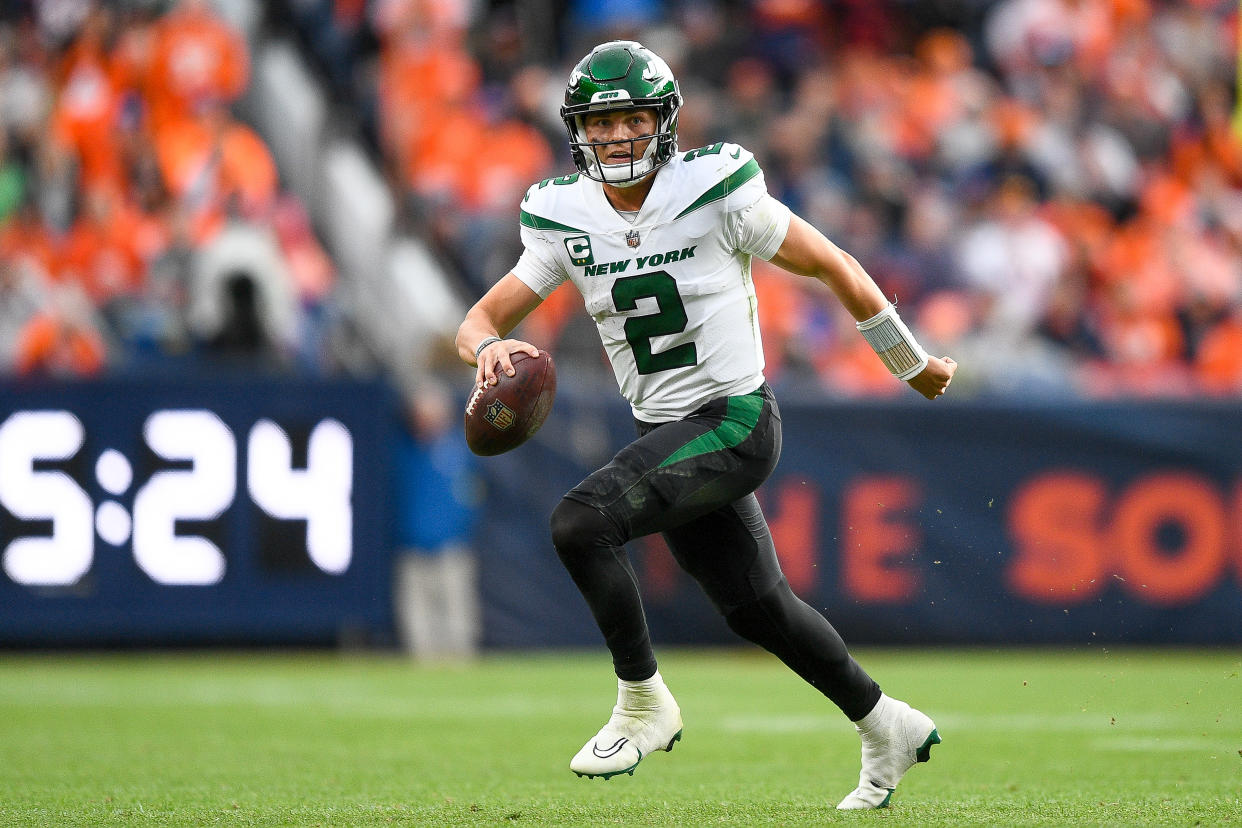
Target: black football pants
693	480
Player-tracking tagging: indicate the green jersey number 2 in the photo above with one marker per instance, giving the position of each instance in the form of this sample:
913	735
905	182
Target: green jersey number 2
670	318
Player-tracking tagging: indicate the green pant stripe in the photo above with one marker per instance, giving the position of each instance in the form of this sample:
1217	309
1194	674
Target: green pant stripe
741	416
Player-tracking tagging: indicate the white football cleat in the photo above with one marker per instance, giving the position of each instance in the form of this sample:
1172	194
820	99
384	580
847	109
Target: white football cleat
894	737
645	719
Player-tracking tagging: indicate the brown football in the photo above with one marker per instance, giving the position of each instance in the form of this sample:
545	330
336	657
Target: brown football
501	417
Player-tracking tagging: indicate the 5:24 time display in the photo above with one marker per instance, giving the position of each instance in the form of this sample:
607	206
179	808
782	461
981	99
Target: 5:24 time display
198	479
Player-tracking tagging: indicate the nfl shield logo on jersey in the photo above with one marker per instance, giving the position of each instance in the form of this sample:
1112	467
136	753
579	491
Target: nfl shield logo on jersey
631	238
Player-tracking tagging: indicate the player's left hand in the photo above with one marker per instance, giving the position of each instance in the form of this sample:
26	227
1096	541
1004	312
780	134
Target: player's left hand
934	380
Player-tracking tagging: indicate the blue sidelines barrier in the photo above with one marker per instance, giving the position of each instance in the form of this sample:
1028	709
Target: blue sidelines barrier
927	523
252	511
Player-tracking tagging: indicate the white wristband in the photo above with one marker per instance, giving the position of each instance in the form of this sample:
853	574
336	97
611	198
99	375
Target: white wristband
487	340
892	341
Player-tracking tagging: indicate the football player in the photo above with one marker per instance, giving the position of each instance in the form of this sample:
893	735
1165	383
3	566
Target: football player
659	243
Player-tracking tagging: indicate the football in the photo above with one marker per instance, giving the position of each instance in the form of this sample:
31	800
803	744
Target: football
501	417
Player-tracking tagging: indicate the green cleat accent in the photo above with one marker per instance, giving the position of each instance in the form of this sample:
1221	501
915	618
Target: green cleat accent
645	719
923	754
610	774
630	770
895	737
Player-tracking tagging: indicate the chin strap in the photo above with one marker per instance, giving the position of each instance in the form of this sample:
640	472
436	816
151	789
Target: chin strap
629	182
893	342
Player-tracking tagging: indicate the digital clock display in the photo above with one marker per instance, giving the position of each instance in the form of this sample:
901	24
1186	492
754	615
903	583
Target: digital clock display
251	500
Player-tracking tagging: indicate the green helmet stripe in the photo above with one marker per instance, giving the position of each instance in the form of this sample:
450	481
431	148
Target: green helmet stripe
730	184
610	65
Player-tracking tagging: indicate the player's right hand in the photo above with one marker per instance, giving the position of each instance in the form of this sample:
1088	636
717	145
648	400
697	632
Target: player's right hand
498	355
934	380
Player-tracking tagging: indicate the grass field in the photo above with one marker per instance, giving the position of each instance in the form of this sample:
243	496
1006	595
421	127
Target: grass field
1030	738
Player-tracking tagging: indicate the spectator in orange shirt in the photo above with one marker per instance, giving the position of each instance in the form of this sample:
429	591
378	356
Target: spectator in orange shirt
25	238
195	58
61	340
133	48
497	180
1218	364
423	87
99	253
212	163
88	105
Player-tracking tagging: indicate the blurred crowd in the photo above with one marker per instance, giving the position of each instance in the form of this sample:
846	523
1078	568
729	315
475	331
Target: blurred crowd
1051	189
142	226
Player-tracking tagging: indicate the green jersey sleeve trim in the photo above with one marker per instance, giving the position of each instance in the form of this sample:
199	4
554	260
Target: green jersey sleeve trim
741	416
731	184
540	223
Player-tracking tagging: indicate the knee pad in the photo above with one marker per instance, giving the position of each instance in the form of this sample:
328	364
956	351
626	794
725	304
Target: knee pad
577	527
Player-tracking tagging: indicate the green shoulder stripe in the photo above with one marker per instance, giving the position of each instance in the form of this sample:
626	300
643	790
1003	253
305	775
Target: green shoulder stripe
540	223
741	417
731	184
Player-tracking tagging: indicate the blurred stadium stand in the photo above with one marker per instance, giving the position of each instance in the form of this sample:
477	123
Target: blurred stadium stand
1051	188
157	150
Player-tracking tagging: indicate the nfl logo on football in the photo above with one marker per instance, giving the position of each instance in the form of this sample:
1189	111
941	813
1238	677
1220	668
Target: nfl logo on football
631	238
499	415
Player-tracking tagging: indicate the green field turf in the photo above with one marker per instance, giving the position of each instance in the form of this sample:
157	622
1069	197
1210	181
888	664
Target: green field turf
1090	737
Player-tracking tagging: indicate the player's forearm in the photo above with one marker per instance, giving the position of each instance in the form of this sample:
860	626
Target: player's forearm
495	315
474	329
808	252
852	286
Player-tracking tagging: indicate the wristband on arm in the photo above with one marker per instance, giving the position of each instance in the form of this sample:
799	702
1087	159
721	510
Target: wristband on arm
487	340
892	341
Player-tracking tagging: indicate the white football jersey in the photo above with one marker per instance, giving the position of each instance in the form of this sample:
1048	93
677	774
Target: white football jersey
671	292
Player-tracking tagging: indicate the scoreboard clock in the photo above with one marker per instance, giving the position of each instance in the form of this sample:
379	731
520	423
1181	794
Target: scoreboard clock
239	510
200	485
